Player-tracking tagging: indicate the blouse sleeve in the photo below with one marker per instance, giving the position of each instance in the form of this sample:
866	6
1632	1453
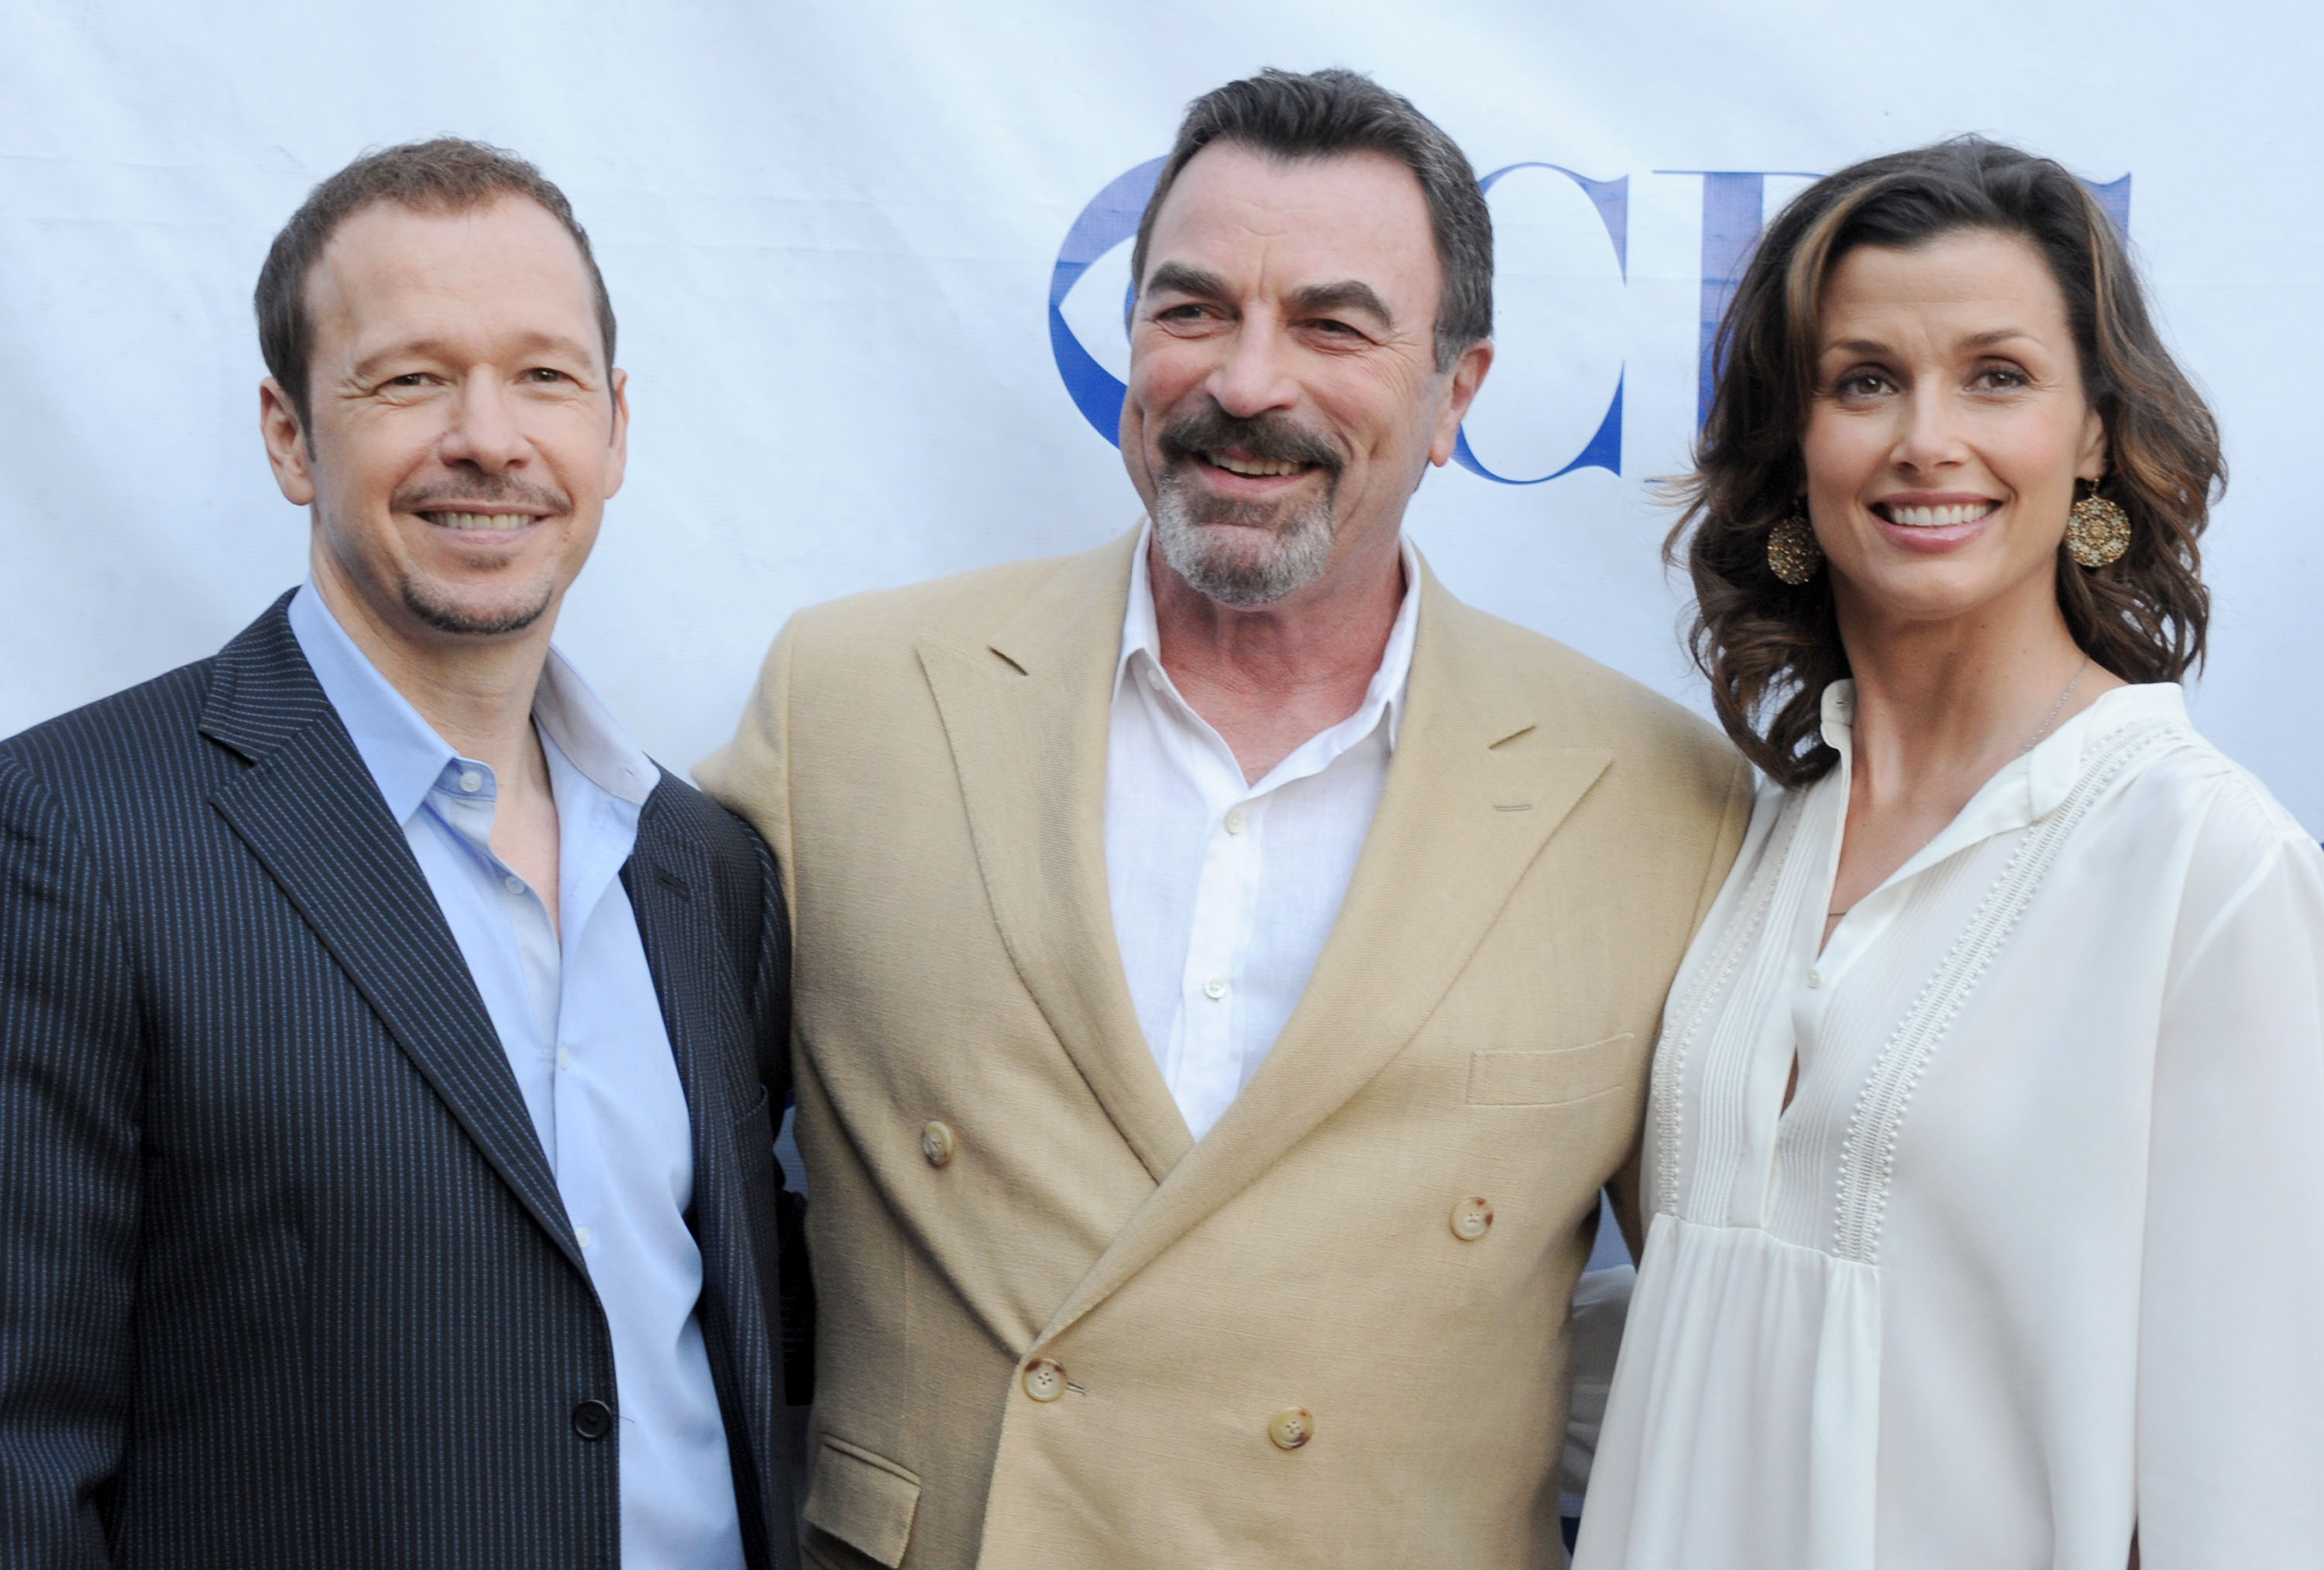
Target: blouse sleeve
2231	1371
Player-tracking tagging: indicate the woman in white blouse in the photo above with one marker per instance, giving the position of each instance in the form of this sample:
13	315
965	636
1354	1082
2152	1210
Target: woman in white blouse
1986	1161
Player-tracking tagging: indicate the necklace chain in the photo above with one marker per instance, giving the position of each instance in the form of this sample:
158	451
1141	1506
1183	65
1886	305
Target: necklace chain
2047	720
2051	717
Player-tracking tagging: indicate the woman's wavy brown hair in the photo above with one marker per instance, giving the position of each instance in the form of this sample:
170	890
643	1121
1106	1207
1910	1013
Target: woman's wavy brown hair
1770	648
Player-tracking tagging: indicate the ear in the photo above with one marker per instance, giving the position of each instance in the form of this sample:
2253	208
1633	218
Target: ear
286	450
617	463
1468	376
2091	464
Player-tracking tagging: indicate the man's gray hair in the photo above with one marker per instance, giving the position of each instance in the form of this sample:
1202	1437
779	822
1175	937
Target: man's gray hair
1286	116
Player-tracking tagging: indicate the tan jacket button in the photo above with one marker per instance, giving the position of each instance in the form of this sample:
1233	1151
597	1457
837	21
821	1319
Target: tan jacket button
1044	1380
1471	1219
937	1143
1291	1427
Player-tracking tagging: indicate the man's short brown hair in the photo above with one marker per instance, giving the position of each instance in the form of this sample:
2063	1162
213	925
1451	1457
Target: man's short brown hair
448	174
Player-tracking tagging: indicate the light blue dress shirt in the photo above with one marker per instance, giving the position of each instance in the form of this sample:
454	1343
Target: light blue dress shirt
575	1006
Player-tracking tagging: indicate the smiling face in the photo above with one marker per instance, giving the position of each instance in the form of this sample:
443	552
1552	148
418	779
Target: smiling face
1948	429
1283	397
464	430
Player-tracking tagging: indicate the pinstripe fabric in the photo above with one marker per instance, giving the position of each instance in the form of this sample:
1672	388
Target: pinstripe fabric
284	1276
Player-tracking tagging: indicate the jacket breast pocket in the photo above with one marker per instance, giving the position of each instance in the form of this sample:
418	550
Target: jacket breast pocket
1560	1077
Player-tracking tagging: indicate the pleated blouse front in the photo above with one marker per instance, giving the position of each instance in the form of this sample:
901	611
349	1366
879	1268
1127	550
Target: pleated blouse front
2037	1251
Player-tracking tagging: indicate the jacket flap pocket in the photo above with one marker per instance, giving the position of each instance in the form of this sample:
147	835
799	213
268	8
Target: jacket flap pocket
1552	1079
863	1500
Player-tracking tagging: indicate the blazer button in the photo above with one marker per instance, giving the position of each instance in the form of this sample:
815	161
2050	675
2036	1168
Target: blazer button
1471	1219
593	1420
1291	1427
1044	1380
937	1143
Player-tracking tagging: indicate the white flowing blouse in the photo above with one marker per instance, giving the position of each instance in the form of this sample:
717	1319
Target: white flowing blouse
2037	1253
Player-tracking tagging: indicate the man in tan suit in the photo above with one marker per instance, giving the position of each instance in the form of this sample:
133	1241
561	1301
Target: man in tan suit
1227	964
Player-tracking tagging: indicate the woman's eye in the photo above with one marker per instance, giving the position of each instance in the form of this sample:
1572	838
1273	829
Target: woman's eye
1861	384
2002	378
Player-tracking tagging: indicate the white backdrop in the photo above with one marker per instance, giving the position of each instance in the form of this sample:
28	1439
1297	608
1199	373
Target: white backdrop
831	232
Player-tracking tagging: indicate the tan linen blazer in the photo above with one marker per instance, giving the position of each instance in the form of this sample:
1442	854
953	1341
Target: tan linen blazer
929	766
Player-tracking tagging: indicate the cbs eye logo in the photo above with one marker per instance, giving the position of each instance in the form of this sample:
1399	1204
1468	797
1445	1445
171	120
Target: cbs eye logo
1554	405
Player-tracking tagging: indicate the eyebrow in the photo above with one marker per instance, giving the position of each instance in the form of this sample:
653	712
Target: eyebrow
1975	341
1348	294
531	343
1178	278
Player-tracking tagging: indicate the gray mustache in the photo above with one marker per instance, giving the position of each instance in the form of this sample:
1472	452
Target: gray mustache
1267	437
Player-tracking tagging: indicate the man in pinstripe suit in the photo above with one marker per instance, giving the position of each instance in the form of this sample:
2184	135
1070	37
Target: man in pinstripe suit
389	1050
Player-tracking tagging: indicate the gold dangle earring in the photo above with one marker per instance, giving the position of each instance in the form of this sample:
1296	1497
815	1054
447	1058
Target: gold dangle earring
2098	531
1793	554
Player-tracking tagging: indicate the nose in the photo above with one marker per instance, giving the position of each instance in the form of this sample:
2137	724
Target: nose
1255	375
1931	437
484	431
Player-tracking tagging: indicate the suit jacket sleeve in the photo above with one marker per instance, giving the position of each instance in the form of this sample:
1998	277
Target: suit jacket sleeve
770	1005
69	1136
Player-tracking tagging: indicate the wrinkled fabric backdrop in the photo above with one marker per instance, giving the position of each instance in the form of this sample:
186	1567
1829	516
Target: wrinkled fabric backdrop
869	260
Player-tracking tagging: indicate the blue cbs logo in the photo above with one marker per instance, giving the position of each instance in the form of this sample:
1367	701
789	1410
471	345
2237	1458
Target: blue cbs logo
1734	211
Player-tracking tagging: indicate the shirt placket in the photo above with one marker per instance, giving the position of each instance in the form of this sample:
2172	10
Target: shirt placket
468	800
1226	898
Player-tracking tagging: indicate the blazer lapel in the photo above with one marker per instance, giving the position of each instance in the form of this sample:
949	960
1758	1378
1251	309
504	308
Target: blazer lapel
309	811
1473	795
1027	718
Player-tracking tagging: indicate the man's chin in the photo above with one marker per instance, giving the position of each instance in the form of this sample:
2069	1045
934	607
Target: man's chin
472	614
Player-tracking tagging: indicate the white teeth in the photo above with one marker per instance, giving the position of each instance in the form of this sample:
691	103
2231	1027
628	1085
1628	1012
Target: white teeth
1939	516
496	522
1254	466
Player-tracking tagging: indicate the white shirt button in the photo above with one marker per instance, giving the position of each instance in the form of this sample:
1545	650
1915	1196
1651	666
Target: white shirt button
1815	979
565	1057
581	1235
472	781
1154	678
514	884
1216	986
1234	822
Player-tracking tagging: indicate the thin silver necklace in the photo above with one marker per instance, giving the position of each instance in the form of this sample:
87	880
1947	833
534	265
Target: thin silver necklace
2051	717
2047	720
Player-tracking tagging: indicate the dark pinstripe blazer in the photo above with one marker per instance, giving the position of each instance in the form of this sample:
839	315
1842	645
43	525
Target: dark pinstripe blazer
284	1276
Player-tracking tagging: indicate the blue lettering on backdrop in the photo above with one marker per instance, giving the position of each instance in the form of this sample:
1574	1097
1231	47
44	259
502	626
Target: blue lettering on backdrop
1734	212
1611	198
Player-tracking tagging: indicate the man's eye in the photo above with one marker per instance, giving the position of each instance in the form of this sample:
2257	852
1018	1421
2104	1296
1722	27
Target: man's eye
544	374
409	379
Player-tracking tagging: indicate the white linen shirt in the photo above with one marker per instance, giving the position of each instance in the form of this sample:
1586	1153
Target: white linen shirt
2037	1253
576	1010
1224	892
